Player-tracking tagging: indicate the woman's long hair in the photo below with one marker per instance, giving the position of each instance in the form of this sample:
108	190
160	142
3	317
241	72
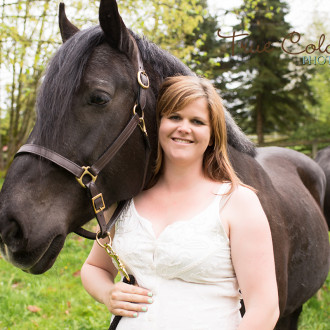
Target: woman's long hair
175	94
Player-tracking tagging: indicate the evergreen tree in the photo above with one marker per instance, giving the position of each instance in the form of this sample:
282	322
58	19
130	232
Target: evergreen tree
266	89
204	58
319	127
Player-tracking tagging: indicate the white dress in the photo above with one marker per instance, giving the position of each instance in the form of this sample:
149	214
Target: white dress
188	268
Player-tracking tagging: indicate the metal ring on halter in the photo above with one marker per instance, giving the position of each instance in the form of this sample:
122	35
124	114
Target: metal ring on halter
86	172
134	112
98	241
139	75
108	249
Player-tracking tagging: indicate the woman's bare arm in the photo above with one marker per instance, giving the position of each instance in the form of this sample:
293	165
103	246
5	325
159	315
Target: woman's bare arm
98	274
253	259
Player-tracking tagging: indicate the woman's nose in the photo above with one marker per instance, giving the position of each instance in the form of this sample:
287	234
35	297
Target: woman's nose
184	128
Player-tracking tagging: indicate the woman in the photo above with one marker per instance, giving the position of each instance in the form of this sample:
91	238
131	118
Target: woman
197	237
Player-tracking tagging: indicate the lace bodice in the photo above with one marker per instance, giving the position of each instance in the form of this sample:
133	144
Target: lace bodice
188	268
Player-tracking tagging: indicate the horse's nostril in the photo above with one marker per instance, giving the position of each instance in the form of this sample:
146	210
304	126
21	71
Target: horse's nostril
15	230
12	234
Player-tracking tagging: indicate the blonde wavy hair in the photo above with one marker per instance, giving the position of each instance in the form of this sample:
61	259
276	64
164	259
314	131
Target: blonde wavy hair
175	94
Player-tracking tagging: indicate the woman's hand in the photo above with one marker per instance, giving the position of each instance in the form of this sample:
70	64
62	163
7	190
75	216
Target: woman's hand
127	300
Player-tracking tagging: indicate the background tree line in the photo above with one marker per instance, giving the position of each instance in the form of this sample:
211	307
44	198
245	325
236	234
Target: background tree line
266	92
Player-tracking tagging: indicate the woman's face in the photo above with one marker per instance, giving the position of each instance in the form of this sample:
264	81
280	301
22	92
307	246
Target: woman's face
184	135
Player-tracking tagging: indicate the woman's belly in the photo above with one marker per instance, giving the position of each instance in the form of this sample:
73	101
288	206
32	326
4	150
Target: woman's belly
180	305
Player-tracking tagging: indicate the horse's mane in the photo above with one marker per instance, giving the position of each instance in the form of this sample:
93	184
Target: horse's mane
66	69
61	80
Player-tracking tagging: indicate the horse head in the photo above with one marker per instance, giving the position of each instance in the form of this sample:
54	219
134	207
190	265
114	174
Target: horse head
87	96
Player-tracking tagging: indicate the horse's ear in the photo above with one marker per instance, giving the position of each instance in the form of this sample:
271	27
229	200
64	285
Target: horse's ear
66	27
116	33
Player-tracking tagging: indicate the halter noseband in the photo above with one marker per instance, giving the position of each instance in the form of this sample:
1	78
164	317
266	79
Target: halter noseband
81	172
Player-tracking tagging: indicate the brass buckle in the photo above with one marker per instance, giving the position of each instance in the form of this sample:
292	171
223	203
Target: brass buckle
108	248
86	172
140	80
101	208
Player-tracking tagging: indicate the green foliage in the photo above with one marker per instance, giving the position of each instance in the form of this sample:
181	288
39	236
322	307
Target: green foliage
318	127
26	37
313	130
320	85
265	89
166	23
204	55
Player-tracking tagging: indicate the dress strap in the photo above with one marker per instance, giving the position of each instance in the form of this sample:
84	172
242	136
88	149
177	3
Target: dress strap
222	198
224	188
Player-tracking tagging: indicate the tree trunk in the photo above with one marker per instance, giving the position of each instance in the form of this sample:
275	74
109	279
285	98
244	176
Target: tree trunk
260	123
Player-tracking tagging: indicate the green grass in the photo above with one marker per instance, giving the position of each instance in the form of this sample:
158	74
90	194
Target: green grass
58	293
316	312
64	304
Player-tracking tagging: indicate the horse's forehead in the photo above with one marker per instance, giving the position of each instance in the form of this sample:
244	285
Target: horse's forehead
106	58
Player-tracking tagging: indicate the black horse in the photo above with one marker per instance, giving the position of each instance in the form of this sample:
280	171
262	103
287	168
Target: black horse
323	159
85	101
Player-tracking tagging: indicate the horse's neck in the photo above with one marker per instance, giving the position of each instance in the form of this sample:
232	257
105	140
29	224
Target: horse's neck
247	168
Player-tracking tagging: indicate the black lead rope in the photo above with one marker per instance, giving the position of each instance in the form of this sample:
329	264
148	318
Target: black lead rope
117	318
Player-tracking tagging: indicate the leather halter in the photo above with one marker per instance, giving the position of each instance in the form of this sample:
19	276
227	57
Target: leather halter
82	172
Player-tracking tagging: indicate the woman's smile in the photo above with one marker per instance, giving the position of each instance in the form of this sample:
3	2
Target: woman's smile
185	134
182	141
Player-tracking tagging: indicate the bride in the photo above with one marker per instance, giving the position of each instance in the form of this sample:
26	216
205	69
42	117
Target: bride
197	240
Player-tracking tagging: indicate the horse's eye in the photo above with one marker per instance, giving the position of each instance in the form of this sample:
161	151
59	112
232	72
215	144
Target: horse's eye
99	98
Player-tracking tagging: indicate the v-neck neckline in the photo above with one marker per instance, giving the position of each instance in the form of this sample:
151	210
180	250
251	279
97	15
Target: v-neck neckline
146	220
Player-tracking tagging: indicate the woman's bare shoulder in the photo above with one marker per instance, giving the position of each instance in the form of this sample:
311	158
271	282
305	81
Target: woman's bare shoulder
244	194
244	204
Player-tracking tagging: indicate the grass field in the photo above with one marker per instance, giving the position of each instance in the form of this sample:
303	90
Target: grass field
57	300
54	300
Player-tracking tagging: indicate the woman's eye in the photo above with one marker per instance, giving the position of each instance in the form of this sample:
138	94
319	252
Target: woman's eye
99	98
174	117
198	122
